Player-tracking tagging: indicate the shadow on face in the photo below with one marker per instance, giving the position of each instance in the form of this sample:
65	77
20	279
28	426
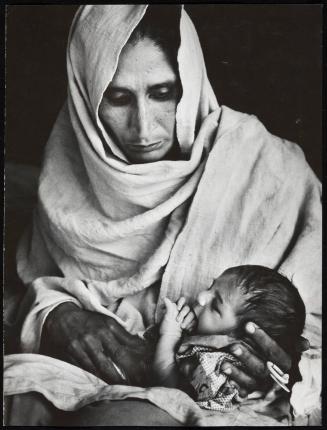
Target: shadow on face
138	108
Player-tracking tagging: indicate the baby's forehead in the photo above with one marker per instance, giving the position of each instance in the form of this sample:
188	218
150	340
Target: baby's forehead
227	284
226	280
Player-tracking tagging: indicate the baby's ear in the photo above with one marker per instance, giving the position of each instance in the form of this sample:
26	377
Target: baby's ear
233	335
237	333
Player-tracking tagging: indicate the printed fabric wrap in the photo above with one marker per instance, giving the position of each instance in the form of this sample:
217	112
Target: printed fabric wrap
212	386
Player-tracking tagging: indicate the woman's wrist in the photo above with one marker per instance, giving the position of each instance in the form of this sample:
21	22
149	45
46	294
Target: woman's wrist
55	326
57	313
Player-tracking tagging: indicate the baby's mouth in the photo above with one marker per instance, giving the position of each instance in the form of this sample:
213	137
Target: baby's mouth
197	308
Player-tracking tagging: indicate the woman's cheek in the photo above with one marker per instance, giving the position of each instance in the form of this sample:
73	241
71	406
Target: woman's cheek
115	121
166	116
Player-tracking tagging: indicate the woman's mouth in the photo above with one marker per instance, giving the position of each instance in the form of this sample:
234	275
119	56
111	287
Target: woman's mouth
148	147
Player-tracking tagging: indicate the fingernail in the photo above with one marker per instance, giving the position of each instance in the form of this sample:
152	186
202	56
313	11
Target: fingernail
278	370
227	370
250	327
237	351
269	364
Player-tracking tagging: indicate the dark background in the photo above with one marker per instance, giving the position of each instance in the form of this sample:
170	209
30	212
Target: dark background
261	59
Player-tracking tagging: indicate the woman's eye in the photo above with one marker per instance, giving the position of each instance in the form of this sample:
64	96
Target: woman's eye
118	98
163	93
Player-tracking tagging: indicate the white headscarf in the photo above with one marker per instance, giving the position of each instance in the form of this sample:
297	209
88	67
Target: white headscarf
102	218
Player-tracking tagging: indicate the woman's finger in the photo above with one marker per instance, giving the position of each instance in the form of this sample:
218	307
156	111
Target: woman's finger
242	393
269	348
115	365
131	363
240	398
105	369
254	366
85	364
245	382
227	389
124	337
79	358
116	353
280	376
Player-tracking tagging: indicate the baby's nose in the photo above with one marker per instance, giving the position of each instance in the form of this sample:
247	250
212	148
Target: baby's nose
204	297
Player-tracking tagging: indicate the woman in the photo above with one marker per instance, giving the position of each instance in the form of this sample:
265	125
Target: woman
150	189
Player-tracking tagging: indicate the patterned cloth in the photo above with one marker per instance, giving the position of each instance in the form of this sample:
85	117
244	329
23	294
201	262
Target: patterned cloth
202	365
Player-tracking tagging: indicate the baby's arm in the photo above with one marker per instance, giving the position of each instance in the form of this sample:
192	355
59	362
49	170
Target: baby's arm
177	317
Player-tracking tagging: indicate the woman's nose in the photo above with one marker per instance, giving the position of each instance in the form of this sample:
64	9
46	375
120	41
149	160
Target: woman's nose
204	298
142	120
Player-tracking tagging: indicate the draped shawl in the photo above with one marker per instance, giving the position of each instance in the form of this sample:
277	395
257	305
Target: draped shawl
105	230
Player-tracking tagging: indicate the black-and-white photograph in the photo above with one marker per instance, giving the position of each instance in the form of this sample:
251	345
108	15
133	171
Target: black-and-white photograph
163	220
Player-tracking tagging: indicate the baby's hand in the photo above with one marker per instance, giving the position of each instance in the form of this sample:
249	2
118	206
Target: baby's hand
178	317
186	316
169	324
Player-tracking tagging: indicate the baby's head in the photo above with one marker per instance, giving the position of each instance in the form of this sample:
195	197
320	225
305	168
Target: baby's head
252	293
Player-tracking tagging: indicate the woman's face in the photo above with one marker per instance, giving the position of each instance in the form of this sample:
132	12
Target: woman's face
139	106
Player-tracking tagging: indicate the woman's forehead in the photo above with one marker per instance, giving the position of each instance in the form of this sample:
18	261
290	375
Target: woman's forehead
142	63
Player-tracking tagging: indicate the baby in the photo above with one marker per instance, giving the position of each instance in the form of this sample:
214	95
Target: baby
239	295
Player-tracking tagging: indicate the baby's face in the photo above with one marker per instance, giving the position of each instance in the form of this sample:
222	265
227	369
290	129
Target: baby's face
217	307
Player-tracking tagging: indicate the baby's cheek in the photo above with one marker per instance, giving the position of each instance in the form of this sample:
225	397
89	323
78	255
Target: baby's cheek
205	324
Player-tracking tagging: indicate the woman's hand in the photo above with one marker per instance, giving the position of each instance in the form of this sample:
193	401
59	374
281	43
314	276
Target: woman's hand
92	341
255	376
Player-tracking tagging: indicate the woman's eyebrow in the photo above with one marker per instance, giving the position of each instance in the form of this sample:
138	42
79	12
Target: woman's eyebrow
117	89
169	83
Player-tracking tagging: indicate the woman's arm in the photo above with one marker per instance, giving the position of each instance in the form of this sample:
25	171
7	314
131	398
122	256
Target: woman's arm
63	318
93	341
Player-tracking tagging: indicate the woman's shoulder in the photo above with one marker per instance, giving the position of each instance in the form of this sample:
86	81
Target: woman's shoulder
250	133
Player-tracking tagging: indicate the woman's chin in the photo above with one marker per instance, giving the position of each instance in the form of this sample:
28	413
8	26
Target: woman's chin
146	157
